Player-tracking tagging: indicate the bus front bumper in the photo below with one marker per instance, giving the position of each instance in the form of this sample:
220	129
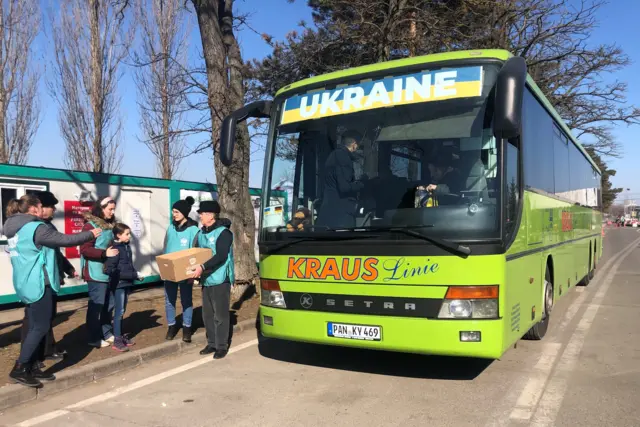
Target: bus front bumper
401	334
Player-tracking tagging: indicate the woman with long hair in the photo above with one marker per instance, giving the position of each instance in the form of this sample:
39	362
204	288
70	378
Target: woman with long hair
92	258
32	247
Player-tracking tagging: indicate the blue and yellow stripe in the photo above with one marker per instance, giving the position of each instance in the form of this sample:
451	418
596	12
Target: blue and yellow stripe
467	83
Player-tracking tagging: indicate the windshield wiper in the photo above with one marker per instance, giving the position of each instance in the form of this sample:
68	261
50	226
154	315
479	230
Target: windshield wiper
453	247
337	237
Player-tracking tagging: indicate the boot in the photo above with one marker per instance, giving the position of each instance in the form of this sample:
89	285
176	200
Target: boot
220	354
21	374
37	373
171	332
186	334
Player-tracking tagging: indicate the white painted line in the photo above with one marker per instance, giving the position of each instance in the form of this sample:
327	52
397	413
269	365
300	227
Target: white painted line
530	391
125	389
555	336
551	401
43	418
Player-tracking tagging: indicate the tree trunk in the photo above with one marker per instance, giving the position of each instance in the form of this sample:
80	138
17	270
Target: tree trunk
226	93
167	172
96	84
4	152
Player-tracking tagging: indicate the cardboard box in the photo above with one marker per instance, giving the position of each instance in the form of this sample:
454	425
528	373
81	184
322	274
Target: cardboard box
177	266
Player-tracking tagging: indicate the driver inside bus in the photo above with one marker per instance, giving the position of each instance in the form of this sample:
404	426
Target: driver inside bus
445	179
339	203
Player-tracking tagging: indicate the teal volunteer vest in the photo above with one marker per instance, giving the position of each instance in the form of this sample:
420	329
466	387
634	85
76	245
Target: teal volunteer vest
96	272
180	240
29	264
226	272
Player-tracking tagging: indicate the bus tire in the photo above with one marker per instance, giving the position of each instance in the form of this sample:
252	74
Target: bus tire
592	265
587	279
539	330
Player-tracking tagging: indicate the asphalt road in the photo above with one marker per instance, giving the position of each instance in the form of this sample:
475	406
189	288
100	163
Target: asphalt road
586	372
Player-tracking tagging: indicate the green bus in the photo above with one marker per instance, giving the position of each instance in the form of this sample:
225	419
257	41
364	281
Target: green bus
466	211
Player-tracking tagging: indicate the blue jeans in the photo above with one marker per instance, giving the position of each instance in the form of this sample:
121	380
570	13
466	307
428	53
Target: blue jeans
101	302
170	298
121	298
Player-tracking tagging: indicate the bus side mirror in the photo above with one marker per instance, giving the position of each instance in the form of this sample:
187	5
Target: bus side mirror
509	94
258	109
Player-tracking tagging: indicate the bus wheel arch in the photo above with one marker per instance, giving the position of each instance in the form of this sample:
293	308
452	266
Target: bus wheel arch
539	330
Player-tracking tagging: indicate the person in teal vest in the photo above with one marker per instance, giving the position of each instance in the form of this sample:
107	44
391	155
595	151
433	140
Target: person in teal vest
92	258
32	249
47	349
216	276
182	234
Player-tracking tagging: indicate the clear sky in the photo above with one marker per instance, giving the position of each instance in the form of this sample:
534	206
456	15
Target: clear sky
618	24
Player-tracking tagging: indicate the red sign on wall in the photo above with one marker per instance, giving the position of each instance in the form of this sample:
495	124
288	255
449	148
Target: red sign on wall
74	221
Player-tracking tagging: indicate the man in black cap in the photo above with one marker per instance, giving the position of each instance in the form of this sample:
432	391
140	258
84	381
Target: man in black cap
339	199
47	348
216	276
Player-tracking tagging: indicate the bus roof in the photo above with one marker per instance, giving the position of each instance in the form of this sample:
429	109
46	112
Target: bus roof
498	54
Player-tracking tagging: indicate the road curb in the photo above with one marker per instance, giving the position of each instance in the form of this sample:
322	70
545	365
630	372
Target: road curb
15	394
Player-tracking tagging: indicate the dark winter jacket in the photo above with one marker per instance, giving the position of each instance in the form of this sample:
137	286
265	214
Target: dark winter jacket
45	235
120	267
64	265
338	207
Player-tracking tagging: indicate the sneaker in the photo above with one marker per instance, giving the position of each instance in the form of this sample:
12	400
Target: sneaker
119	345
172	331
111	339
127	341
104	344
21	374
186	334
41	376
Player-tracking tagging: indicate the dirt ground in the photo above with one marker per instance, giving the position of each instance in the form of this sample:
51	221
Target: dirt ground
144	321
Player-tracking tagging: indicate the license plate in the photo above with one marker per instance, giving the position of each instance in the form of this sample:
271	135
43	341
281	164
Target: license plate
354	332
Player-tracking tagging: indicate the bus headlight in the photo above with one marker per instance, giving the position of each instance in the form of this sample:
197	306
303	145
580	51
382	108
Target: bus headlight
273	299
469	309
470	302
271	295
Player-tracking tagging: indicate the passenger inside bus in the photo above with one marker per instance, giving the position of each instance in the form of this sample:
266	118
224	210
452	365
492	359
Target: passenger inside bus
341	189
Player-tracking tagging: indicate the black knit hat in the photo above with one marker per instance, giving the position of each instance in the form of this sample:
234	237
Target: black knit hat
47	199
183	206
209	206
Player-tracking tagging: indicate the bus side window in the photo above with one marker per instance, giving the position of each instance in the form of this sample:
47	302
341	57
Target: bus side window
512	188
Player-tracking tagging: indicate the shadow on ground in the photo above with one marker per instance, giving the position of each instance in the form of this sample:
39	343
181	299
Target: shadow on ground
75	341
373	362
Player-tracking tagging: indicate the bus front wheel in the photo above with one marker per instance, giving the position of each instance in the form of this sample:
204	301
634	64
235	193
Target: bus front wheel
539	330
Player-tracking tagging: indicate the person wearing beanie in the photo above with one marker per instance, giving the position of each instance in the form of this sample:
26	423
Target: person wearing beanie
181	234
192	214
47	348
216	276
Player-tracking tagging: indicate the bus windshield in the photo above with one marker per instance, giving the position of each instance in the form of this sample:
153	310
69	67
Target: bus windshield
413	151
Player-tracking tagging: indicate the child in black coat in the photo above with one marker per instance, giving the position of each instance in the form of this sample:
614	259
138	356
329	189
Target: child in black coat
122	273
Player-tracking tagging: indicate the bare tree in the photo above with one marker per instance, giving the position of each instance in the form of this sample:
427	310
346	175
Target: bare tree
19	104
161	61
552	35
225	73
91	40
